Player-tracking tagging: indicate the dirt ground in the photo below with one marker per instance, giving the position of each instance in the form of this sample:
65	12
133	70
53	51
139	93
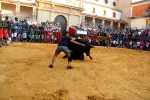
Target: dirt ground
113	74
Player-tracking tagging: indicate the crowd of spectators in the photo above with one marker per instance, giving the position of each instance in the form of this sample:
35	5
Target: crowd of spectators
25	30
127	38
15	29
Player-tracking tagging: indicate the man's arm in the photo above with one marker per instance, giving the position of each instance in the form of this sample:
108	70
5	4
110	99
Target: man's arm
75	42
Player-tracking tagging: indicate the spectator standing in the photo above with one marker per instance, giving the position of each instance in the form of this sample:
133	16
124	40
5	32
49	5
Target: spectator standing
138	45
32	37
141	45
19	37
147	45
108	39
10	34
15	36
117	43
120	43
5	36
114	43
24	36
130	44
37	37
52	38
134	45
1	36
42	38
55	39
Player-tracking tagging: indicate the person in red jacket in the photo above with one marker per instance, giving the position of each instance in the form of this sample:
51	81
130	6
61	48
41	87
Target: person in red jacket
141	45
1	36
5	36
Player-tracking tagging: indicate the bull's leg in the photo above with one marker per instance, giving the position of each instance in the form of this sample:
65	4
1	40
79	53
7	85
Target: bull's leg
65	56
90	57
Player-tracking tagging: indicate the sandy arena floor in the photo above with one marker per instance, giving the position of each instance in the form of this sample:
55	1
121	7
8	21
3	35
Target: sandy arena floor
113	74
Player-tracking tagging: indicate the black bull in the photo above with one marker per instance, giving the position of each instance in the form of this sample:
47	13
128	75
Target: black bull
77	52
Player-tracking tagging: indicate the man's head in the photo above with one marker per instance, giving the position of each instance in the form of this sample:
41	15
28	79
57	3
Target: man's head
67	34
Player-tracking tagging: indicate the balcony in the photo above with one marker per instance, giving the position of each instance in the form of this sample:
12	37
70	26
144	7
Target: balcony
145	14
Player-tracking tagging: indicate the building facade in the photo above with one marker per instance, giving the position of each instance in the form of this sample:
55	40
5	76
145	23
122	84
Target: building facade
125	7
102	12
69	12
140	14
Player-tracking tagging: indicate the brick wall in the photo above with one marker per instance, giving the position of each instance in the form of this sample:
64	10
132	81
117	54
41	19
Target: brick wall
138	10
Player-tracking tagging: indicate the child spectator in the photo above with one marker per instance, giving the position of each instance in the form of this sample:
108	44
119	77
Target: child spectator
32	37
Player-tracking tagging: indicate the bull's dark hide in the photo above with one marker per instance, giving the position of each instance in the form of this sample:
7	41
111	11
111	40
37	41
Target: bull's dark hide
78	51
77	54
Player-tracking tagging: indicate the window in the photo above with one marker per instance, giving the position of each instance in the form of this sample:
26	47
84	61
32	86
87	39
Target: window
106	1
104	12
114	14
148	21
93	10
114	3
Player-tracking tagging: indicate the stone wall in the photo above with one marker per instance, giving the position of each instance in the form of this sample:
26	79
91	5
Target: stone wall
43	15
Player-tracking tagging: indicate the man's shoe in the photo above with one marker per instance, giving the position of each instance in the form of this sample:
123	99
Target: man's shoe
51	66
69	67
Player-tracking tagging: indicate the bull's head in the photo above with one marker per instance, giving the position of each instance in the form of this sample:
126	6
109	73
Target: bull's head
87	50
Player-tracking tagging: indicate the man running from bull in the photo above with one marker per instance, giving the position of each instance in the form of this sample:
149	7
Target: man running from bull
62	46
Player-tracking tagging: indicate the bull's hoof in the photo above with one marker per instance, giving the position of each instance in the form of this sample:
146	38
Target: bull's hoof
69	67
91	58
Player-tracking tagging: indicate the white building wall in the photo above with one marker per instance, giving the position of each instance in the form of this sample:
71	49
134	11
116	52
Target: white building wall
67	2
136	1
99	11
139	23
74	20
40	15
26	1
102	3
